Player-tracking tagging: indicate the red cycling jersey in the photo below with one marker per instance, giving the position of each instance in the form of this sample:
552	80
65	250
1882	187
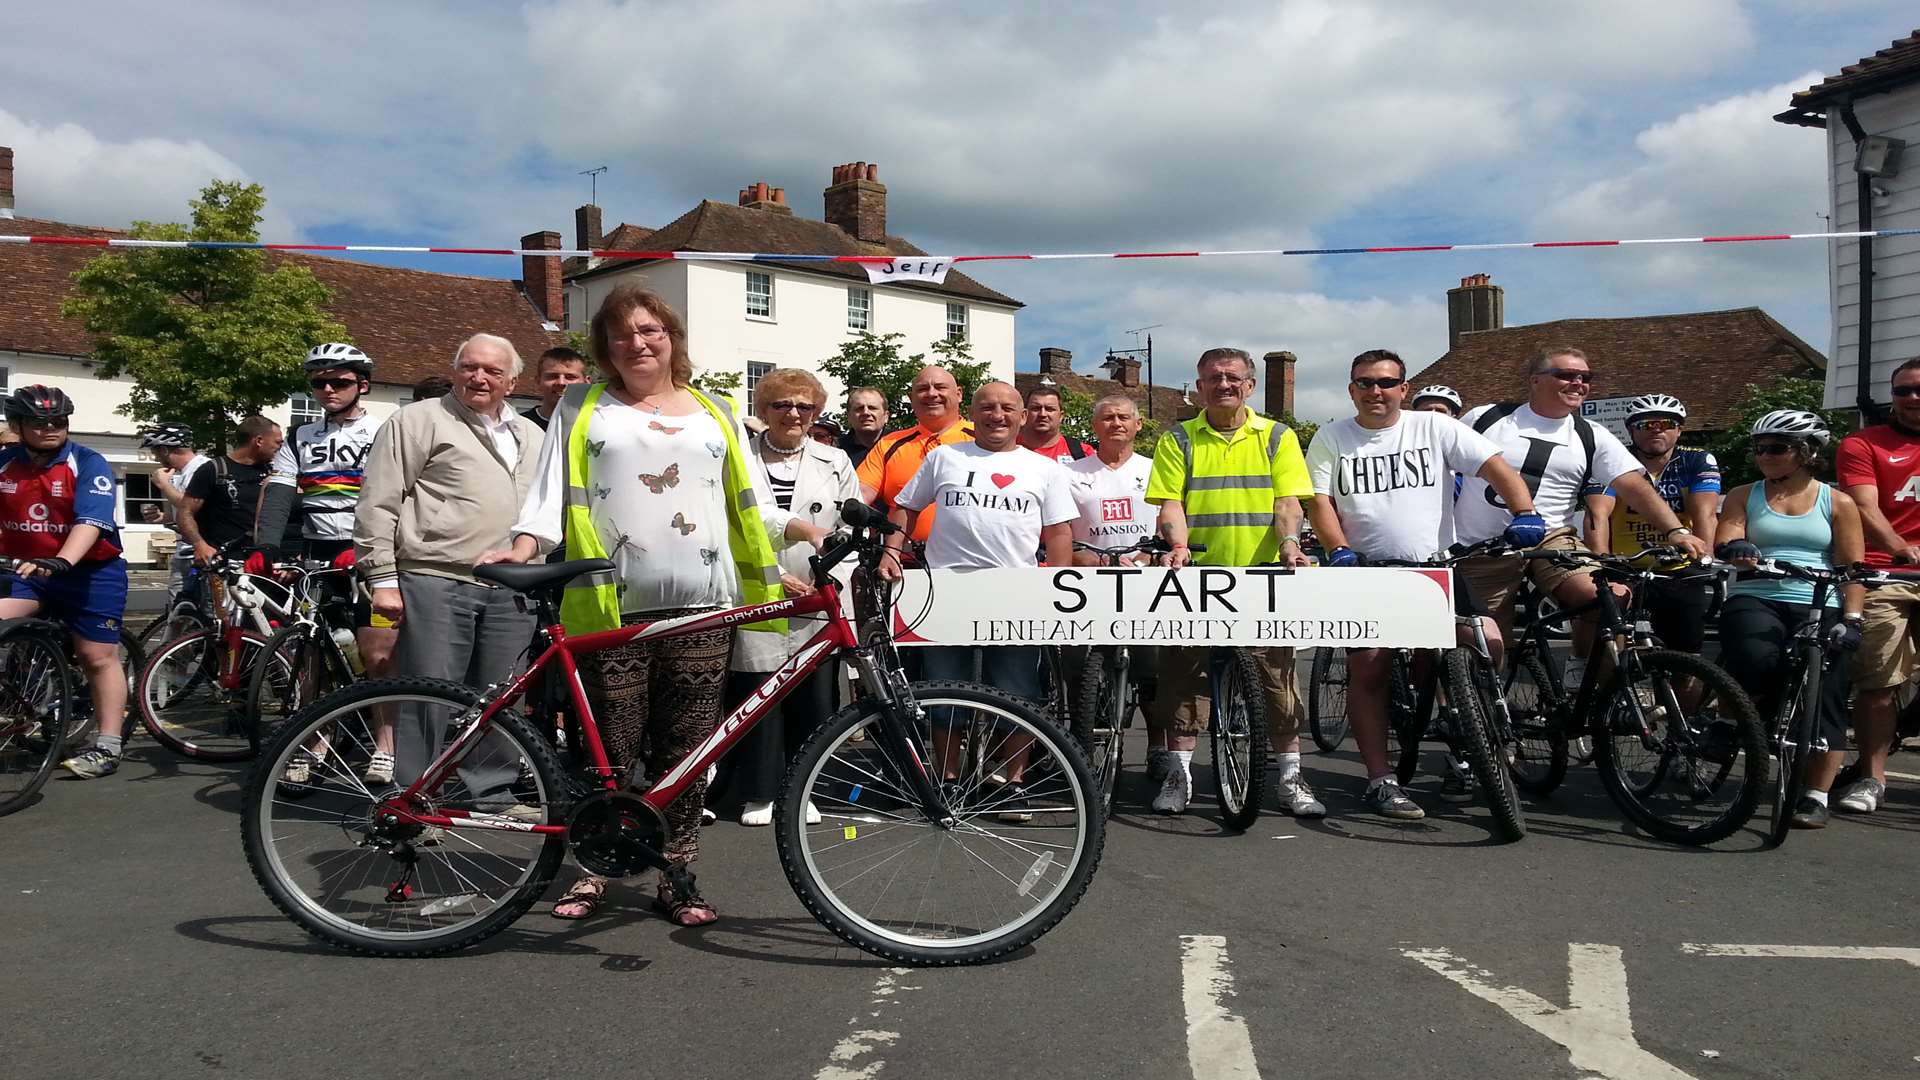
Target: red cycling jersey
1890	461
38	507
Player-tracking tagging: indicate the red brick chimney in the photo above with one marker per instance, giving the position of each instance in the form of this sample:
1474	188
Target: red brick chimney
587	232
1279	381
1056	362
540	274
762	197
857	202
1478	304
6	180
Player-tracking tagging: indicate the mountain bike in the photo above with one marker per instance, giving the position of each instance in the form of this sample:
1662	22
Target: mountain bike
194	609
1327	698
905	863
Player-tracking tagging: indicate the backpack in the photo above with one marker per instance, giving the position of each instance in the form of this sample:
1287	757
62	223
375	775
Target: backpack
1581	427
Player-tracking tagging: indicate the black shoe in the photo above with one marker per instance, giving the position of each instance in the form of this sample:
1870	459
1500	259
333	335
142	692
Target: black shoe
1809	814
1721	743
1011	804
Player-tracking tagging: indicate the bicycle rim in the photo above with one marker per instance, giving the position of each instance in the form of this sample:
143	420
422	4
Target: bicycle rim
184	703
1537	751
1327	700
1479	740
36	693
1239	737
1690	776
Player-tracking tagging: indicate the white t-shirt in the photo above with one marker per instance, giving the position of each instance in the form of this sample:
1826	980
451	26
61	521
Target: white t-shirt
1550	457
992	506
1393	487
1112	503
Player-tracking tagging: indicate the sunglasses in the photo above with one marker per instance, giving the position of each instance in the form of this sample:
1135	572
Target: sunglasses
1569	375
56	424
1906	391
791	406
1656	425
1384	382
332	384
1772	449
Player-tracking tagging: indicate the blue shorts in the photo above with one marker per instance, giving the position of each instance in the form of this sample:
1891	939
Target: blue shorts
89	600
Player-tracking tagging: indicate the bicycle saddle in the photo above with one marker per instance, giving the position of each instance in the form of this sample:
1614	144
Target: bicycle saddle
526	577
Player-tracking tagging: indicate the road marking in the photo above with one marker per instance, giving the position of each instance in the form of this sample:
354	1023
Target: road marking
870	1040
1218	1046
1808	952
1596	1027
1903	775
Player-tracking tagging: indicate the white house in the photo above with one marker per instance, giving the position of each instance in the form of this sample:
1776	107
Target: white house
750	318
1871	115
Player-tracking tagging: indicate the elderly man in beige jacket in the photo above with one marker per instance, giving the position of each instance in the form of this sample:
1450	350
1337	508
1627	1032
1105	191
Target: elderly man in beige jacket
444	482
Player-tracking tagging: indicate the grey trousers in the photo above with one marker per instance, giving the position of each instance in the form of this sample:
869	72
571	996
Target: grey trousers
468	633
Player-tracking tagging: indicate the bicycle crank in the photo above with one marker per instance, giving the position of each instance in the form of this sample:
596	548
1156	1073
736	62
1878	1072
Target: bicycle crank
617	834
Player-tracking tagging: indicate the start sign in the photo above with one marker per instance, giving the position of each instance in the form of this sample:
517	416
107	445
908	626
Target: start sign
1254	606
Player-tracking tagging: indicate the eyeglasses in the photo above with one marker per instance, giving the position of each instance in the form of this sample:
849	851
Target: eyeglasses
651	333
58	423
1772	449
1569	375
332	384
1906	391
1224	380
1384	382
791	406
1655	425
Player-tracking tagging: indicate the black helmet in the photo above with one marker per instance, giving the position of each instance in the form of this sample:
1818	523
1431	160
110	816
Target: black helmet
39	402
167	437
335	354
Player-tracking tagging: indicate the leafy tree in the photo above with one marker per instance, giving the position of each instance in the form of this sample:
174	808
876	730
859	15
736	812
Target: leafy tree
208	336
718	383
871	359
1730	447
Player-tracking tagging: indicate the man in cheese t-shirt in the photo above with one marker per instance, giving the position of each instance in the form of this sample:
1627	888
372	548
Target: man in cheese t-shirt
997	503
1880	467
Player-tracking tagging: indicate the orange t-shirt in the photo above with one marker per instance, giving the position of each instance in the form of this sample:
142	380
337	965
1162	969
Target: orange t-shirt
897	455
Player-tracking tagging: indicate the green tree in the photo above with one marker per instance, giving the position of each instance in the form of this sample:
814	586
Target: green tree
718	383
208	336
1730	446
871	359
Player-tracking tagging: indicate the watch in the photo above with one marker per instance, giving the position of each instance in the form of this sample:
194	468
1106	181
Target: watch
1679	530
1294	540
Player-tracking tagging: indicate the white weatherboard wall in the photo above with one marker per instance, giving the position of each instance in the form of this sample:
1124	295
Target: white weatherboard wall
1896	262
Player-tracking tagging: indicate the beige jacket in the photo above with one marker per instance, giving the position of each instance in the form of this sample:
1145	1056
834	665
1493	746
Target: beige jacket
437	494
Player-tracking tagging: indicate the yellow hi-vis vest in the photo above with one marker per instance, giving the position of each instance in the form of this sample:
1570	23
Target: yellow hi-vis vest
591	602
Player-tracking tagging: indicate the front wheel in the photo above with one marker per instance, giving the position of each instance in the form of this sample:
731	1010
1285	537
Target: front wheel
1240	737
192	695
1793	739
1537	753
36	698
1470	689
301	667
1017	852
1100	723
1327	698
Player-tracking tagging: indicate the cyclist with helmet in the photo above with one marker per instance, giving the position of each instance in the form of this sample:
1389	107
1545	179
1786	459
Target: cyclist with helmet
172	446
1437	398
1689	481
1790	516
57	516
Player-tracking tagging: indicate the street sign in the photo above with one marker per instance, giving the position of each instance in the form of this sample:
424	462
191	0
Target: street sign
1609	413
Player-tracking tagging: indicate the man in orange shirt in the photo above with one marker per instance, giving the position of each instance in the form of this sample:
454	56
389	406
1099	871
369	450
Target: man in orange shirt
935	397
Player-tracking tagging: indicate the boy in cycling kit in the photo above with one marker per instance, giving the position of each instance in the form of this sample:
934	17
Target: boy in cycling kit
57	509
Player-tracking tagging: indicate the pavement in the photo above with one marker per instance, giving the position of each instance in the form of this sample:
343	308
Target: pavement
134	938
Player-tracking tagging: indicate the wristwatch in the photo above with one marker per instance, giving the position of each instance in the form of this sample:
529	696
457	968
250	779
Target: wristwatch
1678	530
1294	540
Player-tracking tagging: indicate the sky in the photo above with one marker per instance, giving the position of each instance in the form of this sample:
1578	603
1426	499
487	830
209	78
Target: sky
1004	127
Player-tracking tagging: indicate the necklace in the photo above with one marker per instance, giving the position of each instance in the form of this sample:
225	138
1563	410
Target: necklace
767	444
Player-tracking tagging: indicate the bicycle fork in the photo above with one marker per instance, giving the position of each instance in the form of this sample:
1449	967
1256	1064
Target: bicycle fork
893	735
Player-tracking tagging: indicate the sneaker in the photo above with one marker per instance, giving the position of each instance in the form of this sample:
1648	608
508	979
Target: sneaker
1159	762
707	816
1808	814
1296	798
1863	796
1386	799
813	813
379	768
92	763
517	812
299	770
1176	790
756	814
1458	785
1010	804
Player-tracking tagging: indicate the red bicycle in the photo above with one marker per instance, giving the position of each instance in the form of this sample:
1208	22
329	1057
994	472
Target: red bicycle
955	865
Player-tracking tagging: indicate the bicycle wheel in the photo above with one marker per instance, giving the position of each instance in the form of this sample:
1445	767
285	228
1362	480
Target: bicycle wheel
1327	698
1405	720
1469	685
1537	753
330	863
1793	740
192	695
1104	701
299	669
181	620
883	877
36	693
1239	736
1687	777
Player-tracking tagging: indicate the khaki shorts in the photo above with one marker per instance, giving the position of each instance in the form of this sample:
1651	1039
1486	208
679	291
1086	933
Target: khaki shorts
1185	702
1495	580
1886	656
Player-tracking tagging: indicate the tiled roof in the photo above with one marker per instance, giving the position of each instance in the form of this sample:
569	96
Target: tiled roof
1707	359
1896	65
717	226
409	321
1168	404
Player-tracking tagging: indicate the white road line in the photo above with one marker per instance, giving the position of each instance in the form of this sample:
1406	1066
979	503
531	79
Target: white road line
1808	952
1218	1047
844	1060
1903	775
1596	1027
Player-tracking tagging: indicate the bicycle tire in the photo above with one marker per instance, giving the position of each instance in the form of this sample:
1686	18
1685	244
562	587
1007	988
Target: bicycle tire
1720	693
1097	726
1796	737
36	691
1537	755
311	673
1480	742
182	620
1404	720
1239	738
1327	698
231	743
881	782
326	719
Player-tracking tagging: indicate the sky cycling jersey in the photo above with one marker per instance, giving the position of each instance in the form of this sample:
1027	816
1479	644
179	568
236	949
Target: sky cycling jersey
1688	471
325	461
38	507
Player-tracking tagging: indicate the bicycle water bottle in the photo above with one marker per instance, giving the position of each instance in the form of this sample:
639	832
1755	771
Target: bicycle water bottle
350	646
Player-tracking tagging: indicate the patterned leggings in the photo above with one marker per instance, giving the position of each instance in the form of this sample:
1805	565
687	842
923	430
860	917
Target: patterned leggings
655	701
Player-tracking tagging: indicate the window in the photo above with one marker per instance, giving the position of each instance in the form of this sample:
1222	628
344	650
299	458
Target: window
755	369
859	308
759	295
6	380
137	493
302	409
956	322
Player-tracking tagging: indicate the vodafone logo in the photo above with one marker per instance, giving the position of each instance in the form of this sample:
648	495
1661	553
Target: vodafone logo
38	515
39	512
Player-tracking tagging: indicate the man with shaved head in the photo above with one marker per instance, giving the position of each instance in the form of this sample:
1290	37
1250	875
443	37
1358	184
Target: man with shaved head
935	397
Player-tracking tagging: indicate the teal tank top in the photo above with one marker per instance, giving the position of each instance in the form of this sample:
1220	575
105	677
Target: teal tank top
1803	539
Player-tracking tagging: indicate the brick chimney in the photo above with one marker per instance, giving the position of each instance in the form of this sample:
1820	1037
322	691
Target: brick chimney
1124	370
1478	304
541	274
762	197
587	232
857	202
6	181
1279	380
1056	362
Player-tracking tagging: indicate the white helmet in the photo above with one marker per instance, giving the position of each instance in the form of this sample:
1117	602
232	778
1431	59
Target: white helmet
1445	393
1656	405
1793	424
336	354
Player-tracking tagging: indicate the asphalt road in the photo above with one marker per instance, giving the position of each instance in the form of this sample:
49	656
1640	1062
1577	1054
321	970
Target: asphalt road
134	939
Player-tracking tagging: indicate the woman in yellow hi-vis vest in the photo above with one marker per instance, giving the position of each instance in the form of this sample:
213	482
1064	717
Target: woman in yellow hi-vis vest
645	470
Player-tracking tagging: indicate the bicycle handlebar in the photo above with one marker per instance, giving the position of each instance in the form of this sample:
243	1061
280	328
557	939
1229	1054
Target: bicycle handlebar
1146	545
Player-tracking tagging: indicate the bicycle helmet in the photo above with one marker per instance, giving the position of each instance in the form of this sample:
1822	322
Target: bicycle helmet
167	437
1793	424
1445	393
339	355
39	402
1656	405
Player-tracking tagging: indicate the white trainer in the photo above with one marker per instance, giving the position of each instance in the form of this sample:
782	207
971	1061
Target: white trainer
1175	791
1297	798
755	814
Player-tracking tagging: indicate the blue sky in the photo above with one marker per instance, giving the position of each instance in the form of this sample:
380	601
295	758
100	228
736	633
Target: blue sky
1003	127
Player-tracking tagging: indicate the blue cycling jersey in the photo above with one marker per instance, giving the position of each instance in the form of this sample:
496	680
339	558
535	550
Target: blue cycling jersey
1687	472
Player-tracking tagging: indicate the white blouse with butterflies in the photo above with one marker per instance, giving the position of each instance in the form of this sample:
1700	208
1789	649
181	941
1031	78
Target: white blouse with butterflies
657	497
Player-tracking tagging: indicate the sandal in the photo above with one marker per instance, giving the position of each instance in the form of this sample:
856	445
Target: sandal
692	911
582	900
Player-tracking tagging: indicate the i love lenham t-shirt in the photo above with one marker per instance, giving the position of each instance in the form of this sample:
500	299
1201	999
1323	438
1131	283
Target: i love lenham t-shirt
990	507
1393	487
